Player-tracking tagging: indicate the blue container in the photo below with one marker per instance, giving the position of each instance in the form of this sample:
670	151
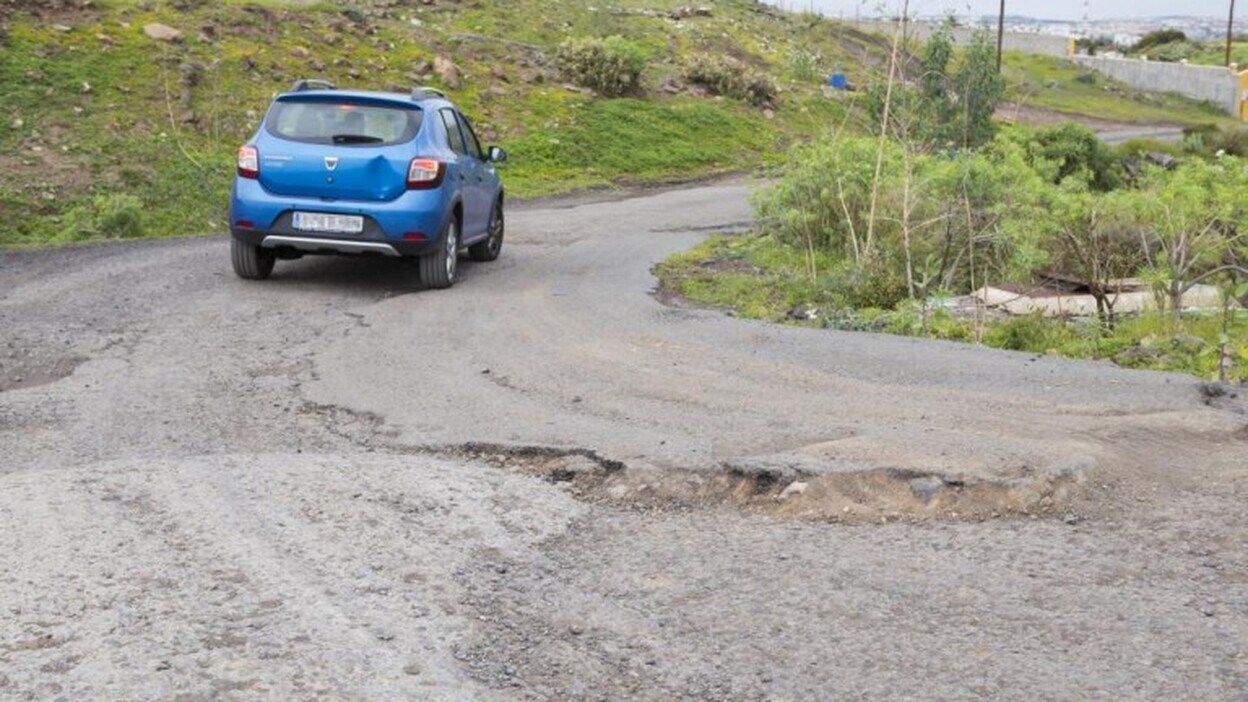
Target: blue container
839	81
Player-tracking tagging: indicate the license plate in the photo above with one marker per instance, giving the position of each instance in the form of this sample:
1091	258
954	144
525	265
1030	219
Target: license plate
318	222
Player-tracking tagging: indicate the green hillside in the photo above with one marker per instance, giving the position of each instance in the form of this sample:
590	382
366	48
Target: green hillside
108	132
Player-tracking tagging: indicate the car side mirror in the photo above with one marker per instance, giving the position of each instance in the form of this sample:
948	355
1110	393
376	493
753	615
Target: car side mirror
498	154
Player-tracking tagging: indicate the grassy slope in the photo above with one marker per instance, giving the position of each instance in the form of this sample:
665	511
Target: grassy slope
97	123
1052	83
74	147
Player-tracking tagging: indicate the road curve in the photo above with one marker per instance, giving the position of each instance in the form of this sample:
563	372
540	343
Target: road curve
546	484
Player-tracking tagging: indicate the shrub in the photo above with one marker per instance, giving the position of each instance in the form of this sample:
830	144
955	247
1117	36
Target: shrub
730	78
804	66
613	66
1076	151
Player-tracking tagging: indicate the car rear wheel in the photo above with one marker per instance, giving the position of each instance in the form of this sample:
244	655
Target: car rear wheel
489	249
251	262
438	269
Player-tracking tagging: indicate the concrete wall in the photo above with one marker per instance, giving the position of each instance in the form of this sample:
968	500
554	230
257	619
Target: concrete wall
1217	85
1014	41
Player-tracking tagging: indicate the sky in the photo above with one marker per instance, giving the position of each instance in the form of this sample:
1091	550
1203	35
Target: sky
1045	9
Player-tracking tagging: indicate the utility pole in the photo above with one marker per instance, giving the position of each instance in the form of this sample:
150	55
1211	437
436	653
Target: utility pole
1001	33
1230	33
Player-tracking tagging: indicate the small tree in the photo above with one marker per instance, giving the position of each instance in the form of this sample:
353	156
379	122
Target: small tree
1191	224
1094	242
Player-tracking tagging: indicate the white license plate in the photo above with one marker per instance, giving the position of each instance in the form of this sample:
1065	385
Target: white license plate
318	222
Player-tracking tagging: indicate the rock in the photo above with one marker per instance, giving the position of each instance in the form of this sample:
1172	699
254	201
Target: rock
412	669
62	28
926	488
769	113
447	71
1138	354
1070	518
576	630
804	314
794	488
162	32
1166	161
499	73
1188	342
18	123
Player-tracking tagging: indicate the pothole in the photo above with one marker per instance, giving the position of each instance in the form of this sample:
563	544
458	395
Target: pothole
21	369
881	494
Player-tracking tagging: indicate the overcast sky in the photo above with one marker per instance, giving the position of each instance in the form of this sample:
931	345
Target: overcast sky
1047	9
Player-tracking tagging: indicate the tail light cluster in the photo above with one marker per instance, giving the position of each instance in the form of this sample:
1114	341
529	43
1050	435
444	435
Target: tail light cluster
425	174
248	162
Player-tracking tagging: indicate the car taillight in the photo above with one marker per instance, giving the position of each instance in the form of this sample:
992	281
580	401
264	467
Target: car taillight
248	162
425	174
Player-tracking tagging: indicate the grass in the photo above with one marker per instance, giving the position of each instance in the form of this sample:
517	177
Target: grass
1055	84
758	278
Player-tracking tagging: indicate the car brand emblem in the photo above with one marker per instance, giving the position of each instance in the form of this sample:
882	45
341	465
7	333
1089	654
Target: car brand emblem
331	163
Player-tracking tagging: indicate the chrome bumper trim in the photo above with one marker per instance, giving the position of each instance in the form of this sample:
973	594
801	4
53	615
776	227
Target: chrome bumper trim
336	245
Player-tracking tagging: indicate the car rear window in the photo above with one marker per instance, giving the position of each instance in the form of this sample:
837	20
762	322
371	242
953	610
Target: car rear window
343	123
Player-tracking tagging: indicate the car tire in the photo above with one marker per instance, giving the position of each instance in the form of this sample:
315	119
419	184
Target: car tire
438	269
489	249
250	261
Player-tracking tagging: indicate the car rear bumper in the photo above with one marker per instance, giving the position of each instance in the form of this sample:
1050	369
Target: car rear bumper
407	226
305	243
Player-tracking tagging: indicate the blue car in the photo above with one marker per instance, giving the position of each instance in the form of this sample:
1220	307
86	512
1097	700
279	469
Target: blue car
363	173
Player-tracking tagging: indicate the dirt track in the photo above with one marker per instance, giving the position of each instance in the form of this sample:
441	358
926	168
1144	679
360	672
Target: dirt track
543	484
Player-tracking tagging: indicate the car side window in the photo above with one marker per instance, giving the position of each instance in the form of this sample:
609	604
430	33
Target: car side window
452	132
474	144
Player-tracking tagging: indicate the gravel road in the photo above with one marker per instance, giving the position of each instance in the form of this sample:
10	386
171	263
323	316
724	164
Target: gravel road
545	484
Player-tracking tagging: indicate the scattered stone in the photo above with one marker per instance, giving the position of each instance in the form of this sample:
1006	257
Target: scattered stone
1188	342
769	113
385	636
794	488
576	629
1071	518
163	665
926	488
447	71
412	669
86	87
62	28
162	32
1136	354
1208	610
18	123
1166	161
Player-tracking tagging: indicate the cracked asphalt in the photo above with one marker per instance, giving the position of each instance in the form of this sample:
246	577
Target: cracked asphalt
545	484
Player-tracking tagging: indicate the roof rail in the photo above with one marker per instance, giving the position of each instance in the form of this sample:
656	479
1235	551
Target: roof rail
424	92
312	84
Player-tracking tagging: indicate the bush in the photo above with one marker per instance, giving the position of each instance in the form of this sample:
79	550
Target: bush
1158	38
804	66
1076	151
730	78
1026	333
612	67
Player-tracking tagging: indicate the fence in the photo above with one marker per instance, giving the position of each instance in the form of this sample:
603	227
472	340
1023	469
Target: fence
1219	86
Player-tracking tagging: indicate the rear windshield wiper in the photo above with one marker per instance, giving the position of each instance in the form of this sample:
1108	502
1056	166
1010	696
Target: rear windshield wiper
356	139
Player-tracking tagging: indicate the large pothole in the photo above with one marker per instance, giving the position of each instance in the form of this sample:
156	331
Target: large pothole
873	495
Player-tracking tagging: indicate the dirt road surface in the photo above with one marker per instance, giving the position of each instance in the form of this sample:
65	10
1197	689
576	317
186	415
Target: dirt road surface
545	484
